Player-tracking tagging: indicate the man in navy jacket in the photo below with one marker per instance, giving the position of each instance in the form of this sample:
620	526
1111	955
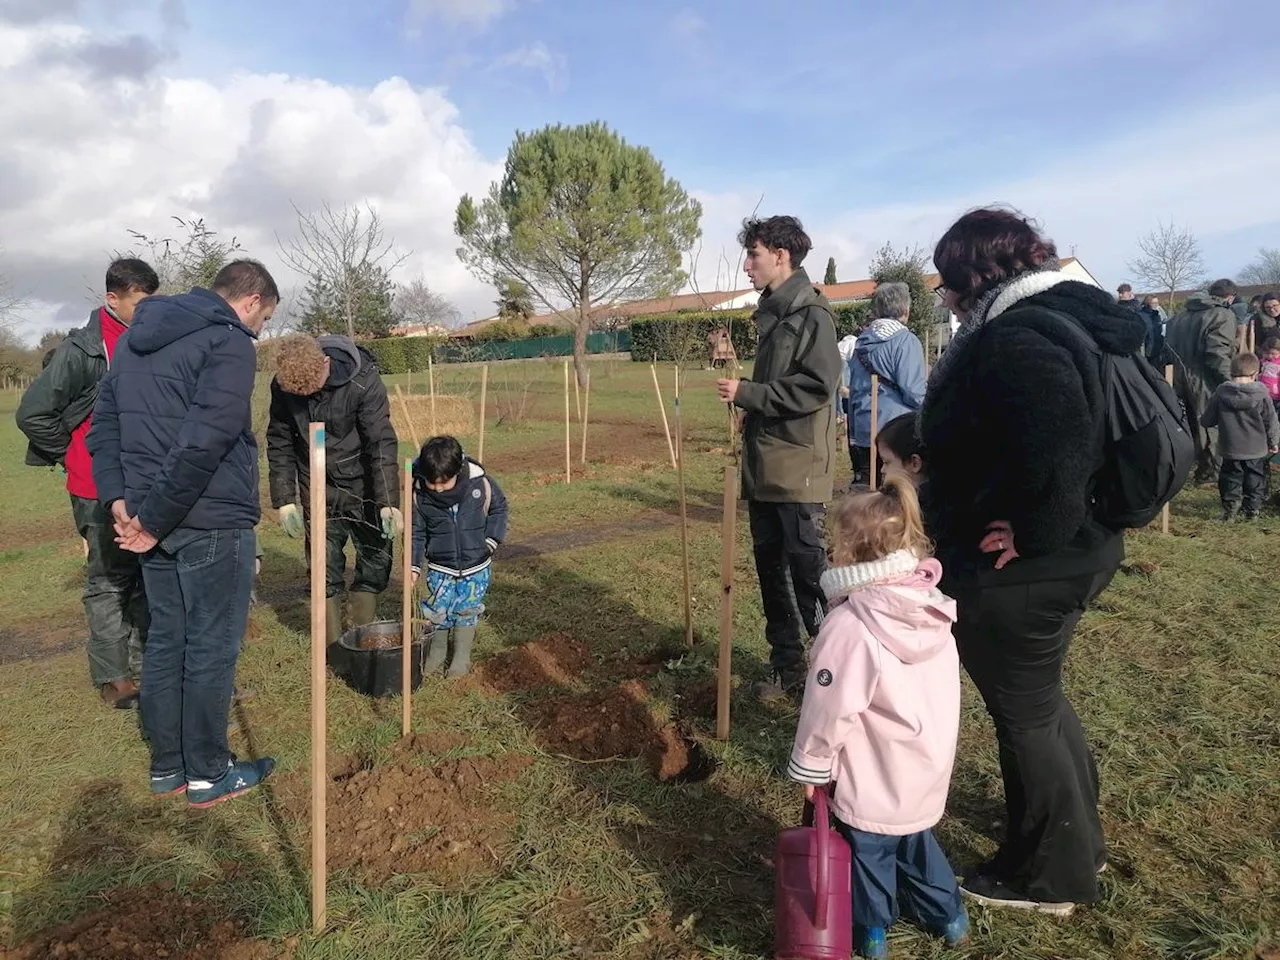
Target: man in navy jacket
176	463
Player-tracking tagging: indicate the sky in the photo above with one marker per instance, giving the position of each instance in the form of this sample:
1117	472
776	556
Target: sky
872	124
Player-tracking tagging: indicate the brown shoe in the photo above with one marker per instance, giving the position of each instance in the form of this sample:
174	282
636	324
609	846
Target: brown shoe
122	695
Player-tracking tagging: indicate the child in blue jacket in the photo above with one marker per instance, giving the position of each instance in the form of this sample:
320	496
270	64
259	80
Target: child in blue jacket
459	519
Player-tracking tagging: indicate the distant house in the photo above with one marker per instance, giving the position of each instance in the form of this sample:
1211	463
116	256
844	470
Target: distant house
418	330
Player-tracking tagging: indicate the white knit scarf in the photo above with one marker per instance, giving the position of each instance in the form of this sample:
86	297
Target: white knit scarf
839	582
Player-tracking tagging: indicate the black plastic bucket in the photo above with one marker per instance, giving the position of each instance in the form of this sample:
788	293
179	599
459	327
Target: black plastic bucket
377	673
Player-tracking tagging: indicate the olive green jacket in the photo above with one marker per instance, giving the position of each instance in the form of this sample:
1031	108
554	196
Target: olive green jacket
789	438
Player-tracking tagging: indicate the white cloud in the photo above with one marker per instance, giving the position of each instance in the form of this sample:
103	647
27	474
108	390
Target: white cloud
470	13
84	162
554	67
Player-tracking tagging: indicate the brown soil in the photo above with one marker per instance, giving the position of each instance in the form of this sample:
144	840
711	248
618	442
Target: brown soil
40	638
381	643
556	659
407	818
151	923
619	443
18	532
616	724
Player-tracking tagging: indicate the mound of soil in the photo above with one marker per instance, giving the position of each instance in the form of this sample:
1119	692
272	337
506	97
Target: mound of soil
409	818
150	923
616	724
554	660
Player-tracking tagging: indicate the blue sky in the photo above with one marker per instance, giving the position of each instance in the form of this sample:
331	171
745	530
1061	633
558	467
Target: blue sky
874	124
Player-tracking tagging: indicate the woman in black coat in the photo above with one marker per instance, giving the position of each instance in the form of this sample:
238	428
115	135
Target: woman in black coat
1012	428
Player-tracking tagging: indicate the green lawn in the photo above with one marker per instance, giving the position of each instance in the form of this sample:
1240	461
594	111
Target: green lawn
1175	674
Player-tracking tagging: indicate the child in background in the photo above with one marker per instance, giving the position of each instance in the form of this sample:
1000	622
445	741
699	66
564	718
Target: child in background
1269	376
881	715
1248	434
900	449
459	519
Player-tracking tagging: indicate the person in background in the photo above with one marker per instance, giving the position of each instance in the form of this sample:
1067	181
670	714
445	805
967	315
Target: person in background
460	519
788	445
1266	320
881	715
1269	373
1243	314
1205	339
56	414
176	464
900	449
891	352
333	381
1125	297
1248	434
1153	317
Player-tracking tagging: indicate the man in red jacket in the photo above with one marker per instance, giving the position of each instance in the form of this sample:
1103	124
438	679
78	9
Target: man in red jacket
55	414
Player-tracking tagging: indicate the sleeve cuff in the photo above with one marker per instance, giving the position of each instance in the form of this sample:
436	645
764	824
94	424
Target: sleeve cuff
491	543
747	390
807	769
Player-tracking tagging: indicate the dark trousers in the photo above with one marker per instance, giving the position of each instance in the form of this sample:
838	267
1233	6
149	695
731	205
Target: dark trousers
908	876
1243	480
860	458
115	604
1013	641
790	561
198	585
373	553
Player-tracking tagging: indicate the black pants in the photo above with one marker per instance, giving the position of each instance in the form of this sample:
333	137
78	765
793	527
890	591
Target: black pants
790	561
115	603
860	457
373	553
1013	641
1243	480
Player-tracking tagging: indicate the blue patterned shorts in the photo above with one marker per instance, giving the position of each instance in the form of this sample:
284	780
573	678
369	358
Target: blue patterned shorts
455	601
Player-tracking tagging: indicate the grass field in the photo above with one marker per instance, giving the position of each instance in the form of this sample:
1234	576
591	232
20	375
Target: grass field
528	820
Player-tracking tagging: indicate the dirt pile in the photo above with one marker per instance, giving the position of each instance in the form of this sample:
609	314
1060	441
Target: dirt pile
556	660
150	923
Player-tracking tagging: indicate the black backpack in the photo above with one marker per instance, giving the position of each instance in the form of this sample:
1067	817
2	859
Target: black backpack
1148	449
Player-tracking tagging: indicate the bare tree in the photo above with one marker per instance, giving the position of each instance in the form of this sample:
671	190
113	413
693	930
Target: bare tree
340	251
192	258
10	303
422	307
1169	258
1265	271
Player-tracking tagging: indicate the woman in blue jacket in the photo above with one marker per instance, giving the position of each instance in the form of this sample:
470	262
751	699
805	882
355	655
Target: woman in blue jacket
893	353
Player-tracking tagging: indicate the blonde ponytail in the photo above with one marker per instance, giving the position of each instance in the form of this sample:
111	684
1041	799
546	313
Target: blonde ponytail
873	524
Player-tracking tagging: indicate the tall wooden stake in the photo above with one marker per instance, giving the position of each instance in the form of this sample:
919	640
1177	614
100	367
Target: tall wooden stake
684	525
408	418
1164	514
875	413
568	439
484	396
319	772
431	381
728	533
577	396
406	613
586	418
409	384
666	428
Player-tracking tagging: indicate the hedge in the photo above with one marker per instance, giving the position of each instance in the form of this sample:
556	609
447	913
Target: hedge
667	336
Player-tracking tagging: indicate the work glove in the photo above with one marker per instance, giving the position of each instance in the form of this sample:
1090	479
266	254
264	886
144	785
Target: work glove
291	520
392	522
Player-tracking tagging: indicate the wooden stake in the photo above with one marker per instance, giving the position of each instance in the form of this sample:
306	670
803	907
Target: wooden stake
568	439
577	396
319	773
409	387
875	412
484	396
586	418
431	380
1164	513
408	418
724	672
684	524
666	428
406	613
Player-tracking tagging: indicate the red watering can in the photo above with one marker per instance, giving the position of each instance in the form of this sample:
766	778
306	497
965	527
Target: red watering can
812	890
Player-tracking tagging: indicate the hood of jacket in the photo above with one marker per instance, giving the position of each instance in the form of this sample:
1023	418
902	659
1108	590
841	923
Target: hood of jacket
1113	326
898	601
161	321
878	334
1200	302
344	359
1242	396
790	297
846	347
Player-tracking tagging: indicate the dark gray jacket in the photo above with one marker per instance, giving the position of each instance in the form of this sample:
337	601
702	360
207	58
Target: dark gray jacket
1248	428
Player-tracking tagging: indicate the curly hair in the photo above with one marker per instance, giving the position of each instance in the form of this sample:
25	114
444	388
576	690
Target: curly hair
986	247
300	365
869	525
777	233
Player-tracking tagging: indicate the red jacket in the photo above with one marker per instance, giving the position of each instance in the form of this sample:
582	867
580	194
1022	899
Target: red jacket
79	465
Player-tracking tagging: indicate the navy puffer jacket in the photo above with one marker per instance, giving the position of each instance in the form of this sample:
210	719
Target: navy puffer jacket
172	432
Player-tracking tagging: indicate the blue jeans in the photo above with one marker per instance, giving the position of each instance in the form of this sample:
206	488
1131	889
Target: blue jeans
911	868
198	586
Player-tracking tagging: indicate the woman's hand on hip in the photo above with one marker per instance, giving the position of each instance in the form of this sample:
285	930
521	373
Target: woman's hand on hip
999	539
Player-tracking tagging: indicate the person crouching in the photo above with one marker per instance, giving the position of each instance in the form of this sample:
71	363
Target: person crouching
459	521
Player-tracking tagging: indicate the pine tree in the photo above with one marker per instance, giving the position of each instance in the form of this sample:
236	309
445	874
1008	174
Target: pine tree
830	278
